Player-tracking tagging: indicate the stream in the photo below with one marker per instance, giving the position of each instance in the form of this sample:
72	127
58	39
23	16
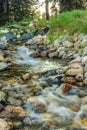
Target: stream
32	94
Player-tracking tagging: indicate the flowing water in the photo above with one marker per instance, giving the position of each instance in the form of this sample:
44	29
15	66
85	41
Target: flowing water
48	108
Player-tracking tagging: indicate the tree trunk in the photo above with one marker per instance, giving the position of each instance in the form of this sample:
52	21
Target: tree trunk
47	9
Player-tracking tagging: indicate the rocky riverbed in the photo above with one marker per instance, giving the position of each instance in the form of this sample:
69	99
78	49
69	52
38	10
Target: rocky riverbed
43	86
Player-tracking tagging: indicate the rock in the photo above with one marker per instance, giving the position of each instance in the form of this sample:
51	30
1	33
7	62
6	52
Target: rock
1	85
3	66
43	31
67	44
25	76
9	36
76	60
85	69
43	53
18	36
56	43
84	100
53	54
46	126
3	46
75	69
73	92
70	80
84	59
36	54
2	58
17	124
15	26
14	101
40	107
75	103
79	77
2	96
51	50
85	81
27	36
85	51
1	107
84	107
61	54
4	125
85	75
66	88
16	110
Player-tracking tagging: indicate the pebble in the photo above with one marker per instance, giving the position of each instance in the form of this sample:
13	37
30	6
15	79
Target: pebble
4	125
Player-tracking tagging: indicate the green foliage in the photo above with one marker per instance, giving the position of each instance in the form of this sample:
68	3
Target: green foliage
68	5
66	23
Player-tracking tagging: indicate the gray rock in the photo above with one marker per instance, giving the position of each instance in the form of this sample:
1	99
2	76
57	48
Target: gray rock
3	66
79	77
53	54
9	36
27	36
3	46
43	53
85	81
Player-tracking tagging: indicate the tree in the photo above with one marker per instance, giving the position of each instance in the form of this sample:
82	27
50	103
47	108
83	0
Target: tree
47	9
68	5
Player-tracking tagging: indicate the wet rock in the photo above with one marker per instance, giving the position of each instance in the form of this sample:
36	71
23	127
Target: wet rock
25	76
2	96
70	80
36	54
3	66
17	124
27	36
75	69
3	46
66	88
1	107
9	36
79	77
4	125
46	126
84	100
14	101
75	103
73	92
6	114
40	107
2	59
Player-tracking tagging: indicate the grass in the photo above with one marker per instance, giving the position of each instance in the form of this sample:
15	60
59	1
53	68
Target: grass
66	23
